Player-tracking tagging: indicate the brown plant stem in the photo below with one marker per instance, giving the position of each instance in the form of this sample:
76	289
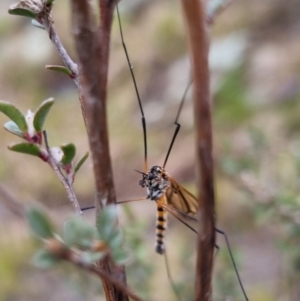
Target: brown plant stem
64	180
72	257
61	49
92	43
119	285
11	202
93	60
69	63
194	14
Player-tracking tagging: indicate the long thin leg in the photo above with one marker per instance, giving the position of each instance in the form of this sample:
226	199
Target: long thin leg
122	202
129	201
216	246
175	290
217	250
180	219
191	228
136	91
176	122
87	208
232	260
185	215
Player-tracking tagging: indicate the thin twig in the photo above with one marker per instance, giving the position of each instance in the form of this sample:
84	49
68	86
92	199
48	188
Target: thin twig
11	202
105	276
194	14
68	187
69	63
49	26
61	251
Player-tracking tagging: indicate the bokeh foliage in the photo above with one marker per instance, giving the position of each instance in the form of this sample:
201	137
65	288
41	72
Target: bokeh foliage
256	122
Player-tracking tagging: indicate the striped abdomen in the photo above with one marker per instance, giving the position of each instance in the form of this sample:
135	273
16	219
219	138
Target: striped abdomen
161	226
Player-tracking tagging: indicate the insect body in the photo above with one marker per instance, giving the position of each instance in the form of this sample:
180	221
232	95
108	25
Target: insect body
161	187
166	192
156	181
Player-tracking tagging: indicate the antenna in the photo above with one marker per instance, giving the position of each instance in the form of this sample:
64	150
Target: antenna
176	121
137	93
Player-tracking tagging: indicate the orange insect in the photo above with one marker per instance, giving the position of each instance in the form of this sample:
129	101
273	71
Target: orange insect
169	195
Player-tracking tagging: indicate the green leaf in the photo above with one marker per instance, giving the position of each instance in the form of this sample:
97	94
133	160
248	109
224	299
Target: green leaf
69	151
106	222
39	223
61	69
41	114
91	257
81	161
120	256
37	24
49	2
22	12
14	114
11	127
78	232
44	259
26	148
115	239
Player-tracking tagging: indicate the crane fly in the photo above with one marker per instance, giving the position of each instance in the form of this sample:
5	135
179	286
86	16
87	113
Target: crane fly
168	194
160	186
165	191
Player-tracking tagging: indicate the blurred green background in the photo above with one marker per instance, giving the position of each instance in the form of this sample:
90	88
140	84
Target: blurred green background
255	79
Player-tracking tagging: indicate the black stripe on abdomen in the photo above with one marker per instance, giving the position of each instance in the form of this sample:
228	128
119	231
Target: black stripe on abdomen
161	225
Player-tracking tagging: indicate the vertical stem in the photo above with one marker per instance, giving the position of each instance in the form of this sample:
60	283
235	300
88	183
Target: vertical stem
102	164
92	43
194	15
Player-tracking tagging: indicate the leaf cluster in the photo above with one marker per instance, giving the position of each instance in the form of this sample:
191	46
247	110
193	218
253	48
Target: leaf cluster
79	243
30	128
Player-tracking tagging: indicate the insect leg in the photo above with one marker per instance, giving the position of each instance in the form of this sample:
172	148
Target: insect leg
121	202
176	122
136	91
129	201
232	260
87	208
177	216
170	277
217	250
176	213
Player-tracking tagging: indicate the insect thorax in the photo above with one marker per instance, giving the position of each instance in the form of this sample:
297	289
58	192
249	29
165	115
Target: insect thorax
156	182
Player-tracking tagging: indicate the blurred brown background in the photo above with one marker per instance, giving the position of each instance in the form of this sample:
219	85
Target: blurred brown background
255	78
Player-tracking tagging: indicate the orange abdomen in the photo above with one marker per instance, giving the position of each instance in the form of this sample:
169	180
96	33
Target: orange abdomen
161	226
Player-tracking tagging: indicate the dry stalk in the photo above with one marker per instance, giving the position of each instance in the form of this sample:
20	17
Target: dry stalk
194	14
92	43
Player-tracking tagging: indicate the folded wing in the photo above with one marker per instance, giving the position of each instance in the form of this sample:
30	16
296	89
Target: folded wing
179	198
